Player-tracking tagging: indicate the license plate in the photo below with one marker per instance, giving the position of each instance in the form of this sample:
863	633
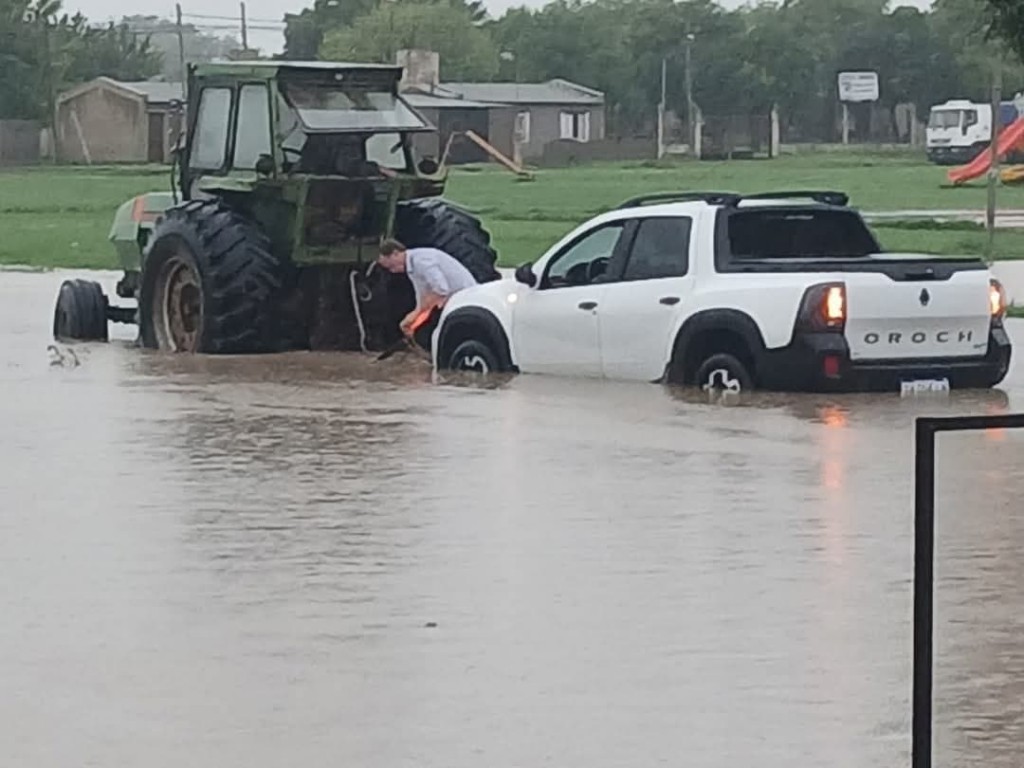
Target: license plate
923	386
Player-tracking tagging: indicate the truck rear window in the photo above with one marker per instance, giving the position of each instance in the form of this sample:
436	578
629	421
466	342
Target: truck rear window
774	233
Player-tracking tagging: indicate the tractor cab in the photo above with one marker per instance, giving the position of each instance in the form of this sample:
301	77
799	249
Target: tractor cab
322	149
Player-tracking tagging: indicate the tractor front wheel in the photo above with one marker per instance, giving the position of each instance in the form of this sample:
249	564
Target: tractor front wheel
209	283
81	312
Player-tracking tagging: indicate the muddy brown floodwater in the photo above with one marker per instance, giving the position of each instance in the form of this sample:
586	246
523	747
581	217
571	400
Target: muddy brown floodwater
319	560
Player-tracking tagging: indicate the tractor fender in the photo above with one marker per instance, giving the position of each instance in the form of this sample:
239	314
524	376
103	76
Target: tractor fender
133	221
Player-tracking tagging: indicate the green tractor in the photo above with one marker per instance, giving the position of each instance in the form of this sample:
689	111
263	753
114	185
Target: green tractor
288	177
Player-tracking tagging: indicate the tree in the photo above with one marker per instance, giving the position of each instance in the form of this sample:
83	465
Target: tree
304	32
466	51
1006	19
163	37
114	51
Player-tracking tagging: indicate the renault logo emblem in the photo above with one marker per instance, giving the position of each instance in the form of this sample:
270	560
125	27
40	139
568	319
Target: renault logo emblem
925	297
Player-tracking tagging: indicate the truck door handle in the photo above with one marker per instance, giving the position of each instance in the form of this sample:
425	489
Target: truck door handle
668	301
588	305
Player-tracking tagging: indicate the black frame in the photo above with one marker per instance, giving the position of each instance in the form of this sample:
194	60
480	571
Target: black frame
924	564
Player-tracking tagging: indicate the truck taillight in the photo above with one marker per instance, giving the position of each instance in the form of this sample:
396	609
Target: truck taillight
823	308
835	305
996	300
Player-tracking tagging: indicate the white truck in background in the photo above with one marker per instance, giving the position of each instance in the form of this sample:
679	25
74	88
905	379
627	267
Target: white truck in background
959	129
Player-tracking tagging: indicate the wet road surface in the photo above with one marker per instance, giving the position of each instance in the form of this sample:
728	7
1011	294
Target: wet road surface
318	560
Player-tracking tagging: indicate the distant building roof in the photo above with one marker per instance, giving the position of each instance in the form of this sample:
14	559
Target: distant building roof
153	91
556	91
156	91
429	101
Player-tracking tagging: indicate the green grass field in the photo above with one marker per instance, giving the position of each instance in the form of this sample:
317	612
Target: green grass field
60	217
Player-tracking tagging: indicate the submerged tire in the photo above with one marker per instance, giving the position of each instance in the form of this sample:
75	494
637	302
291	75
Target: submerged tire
432	222
473	355
209	283
80	312
724	373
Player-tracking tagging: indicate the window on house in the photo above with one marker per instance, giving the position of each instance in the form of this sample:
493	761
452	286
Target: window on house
211	134
575	125
522	128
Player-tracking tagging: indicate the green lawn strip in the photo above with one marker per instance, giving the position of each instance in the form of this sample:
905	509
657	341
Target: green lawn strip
53	216
77	240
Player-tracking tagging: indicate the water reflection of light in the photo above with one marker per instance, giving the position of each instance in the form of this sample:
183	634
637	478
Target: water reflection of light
833	416
833	443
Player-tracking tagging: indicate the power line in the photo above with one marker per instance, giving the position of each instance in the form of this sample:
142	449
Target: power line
230	18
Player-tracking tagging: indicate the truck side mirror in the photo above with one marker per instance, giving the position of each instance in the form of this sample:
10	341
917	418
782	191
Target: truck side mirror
525	275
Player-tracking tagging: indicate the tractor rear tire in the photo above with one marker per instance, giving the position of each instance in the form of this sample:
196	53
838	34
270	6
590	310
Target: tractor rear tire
436	223
210	283
81	312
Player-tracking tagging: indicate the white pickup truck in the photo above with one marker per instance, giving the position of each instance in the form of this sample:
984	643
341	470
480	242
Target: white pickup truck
785	291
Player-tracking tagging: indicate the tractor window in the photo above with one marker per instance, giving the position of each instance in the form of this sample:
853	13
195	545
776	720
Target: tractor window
386	150
252	132
330	108
211	132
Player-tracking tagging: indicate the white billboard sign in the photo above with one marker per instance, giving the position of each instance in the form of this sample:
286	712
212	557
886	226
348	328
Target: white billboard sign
858	86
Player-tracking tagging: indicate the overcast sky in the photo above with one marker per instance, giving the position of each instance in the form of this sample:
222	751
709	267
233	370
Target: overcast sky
271	41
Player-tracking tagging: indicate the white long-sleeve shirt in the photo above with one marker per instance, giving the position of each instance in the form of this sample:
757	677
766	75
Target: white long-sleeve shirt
431	269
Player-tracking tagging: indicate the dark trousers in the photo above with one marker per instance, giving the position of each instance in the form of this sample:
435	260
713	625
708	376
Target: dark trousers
422	335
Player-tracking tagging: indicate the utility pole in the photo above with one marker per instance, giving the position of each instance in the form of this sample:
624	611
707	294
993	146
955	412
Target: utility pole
245	35
181	51
51	88
661	111
690	124
993	170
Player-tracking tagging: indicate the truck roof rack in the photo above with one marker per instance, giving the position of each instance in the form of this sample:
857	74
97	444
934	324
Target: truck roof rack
732	199
825	197
712	198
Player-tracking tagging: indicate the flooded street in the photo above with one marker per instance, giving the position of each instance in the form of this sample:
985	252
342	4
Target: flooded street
322	560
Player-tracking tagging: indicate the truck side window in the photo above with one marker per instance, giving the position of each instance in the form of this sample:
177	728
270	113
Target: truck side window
211	134
584	260
661	248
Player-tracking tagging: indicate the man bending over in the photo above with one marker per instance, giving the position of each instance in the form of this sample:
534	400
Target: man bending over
435	276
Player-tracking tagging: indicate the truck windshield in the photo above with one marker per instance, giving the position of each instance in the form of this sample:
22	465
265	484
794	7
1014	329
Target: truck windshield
774	233
330	108
945	118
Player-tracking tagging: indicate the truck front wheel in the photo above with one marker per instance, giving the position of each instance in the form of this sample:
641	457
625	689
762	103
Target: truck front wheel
472	355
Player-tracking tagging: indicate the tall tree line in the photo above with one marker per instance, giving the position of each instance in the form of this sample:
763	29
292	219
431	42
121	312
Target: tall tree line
43	50
786	53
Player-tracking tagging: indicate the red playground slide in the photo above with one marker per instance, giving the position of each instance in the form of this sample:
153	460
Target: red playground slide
1012	135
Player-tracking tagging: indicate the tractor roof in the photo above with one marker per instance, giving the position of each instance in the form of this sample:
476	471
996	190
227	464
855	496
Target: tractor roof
270	69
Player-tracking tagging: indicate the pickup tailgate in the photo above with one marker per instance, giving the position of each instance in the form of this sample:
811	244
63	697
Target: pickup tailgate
916	316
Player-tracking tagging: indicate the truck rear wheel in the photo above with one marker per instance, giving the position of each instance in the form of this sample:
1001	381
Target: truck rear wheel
723	372
81	312
209	283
